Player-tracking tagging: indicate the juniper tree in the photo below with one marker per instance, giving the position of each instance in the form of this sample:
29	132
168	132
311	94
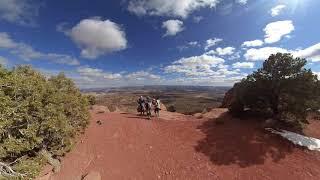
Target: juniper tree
283	87
37	115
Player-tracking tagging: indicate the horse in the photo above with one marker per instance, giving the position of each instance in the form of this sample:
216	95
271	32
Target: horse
156	105
141	109
145	106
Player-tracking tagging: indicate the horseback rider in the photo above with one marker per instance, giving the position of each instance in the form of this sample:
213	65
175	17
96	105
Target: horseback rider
141	105
141	100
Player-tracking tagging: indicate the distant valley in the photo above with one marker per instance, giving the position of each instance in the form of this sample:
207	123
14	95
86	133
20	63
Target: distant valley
182	99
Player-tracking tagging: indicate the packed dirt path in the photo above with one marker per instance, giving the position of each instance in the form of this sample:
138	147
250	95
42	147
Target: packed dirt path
126	146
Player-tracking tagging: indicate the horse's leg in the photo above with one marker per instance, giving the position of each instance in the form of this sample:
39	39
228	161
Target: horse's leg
149	110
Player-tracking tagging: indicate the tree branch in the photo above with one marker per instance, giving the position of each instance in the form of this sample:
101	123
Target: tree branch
7	171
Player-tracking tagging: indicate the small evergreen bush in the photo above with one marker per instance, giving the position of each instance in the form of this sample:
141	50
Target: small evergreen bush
37	114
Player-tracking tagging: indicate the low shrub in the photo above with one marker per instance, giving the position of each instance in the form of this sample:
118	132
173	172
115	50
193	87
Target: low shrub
171	109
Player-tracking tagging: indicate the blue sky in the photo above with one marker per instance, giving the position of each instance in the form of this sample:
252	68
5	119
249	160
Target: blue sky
102	43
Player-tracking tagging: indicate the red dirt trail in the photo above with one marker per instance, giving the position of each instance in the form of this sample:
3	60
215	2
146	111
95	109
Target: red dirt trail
126	146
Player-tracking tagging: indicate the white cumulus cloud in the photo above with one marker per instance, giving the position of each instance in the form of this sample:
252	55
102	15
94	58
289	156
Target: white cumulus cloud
262	53
88	77
197	19
222	51
242	2
97	37
172	27
22	12
202	70
225	51
275	11
142	75
243	65
276	30
172	8
312	53
253	43
28	53
6	41
93	73
193	43
195	65
212	42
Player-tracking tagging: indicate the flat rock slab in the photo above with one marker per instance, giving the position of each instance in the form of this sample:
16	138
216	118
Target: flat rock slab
311	143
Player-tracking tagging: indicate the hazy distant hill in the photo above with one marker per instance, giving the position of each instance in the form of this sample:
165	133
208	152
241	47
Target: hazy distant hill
158	88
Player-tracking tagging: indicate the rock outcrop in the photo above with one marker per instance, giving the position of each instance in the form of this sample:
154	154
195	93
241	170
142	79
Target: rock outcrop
212	114
163	107
100	109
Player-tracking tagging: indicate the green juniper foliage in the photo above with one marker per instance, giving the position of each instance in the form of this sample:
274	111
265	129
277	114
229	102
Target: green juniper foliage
283	88
91	99
37	114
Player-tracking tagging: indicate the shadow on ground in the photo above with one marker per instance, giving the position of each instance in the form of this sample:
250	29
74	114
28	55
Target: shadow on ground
138	116
241	142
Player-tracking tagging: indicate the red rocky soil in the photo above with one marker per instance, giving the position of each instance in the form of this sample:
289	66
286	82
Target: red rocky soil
126	146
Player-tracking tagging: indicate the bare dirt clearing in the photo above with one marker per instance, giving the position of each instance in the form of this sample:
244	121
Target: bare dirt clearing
127	146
